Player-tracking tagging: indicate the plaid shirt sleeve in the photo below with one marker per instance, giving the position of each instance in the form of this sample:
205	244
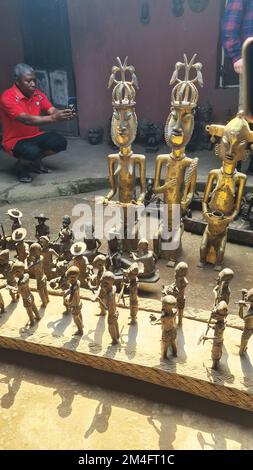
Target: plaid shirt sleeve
231	29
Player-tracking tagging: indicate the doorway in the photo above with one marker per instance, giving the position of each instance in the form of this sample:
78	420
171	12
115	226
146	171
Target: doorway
47	48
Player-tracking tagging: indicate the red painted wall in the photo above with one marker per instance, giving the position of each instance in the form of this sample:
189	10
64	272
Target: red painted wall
11	47
104	29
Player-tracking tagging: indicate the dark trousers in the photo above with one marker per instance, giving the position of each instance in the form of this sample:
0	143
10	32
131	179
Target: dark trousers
40	146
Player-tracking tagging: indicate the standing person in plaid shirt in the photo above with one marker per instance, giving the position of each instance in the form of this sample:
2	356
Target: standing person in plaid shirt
236	28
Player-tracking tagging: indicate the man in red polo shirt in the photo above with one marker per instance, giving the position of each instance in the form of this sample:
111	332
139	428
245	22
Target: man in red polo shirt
23	108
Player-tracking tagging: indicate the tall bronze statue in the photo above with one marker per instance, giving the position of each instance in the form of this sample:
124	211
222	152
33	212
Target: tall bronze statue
224	189
122	165
180	170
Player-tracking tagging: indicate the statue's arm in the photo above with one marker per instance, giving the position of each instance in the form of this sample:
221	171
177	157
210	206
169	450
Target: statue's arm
112	179
241	186
190	184
212	177
141	160
160	161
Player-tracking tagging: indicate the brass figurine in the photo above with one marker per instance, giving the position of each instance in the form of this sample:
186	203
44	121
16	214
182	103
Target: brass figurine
217	322
99	265
168	322
123	130
122	166
65	238
72	298
18	270
48	257
180	170
22	248
36	269
15	217
41	229
6	272
85	270
177	289
222	290
247	317
130	282
221	205
92	243
145	259
106	296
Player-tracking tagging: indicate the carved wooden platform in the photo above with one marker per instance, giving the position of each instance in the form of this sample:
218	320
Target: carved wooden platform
138	354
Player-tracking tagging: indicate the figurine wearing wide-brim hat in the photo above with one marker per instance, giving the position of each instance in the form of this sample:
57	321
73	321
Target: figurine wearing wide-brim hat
48	257
81	262
15	216
21	247
41	228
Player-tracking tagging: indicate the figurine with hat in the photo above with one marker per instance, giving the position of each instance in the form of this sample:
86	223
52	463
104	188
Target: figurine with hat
21	247
15	216
41	228
77	251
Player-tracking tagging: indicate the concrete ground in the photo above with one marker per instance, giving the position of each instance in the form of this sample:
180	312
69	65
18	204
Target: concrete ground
81	168
49	404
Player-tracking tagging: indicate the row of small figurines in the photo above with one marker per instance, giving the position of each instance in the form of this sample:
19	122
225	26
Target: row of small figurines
173	303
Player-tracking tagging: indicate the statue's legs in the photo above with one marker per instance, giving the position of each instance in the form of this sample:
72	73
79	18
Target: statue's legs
246	335
164	349
133	314
113	328
220	251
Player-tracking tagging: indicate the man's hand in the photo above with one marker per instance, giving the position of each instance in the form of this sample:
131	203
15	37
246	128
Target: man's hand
63	115
238	66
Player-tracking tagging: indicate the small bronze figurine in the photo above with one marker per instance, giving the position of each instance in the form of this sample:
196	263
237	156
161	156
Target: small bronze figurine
41	229
247	318
219	314
169	330
106	296
114	257
65	238
18	270
85	269
72	298
48	257
6	272
15	217
222	290
21	247
92	243
177	289
146	259
130	282
98	264
35	267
